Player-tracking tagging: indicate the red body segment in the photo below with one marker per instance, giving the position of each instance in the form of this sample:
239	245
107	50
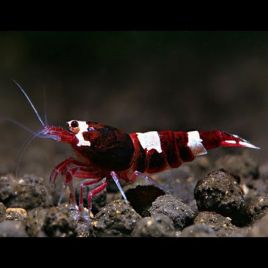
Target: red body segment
174	152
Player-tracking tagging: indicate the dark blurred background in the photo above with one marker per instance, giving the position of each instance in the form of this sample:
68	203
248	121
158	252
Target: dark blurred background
136	81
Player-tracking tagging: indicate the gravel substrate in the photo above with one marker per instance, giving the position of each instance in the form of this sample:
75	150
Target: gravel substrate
227	197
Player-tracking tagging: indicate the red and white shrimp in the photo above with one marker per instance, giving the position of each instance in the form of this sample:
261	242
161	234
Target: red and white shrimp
105	152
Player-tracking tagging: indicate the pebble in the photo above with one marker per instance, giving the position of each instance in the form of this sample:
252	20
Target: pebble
16	214
117	218
220	192
27	192
51	222
220	224
158	225
180	213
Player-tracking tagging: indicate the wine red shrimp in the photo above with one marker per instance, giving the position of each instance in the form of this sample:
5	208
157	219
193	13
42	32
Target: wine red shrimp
105	152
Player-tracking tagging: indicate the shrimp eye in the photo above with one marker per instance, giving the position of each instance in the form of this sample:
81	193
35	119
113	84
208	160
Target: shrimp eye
74	123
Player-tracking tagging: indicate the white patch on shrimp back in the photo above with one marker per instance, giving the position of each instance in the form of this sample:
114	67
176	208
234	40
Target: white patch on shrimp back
83	126
195	143
150	140
230	141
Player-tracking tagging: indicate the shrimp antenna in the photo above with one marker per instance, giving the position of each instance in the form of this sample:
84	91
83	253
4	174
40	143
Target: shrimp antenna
35	111
45	106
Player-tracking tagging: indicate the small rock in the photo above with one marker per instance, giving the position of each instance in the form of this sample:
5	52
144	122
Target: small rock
7	184
116	219
59	223
158	225
16	214
29	192
198	230
242	165
220	224
54	222
2	212
257	207
84	229
26	192
35	221
12	229
180	213
219	191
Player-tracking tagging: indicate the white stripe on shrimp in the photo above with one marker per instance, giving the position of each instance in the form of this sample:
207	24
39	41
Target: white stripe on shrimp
195	143
150	140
